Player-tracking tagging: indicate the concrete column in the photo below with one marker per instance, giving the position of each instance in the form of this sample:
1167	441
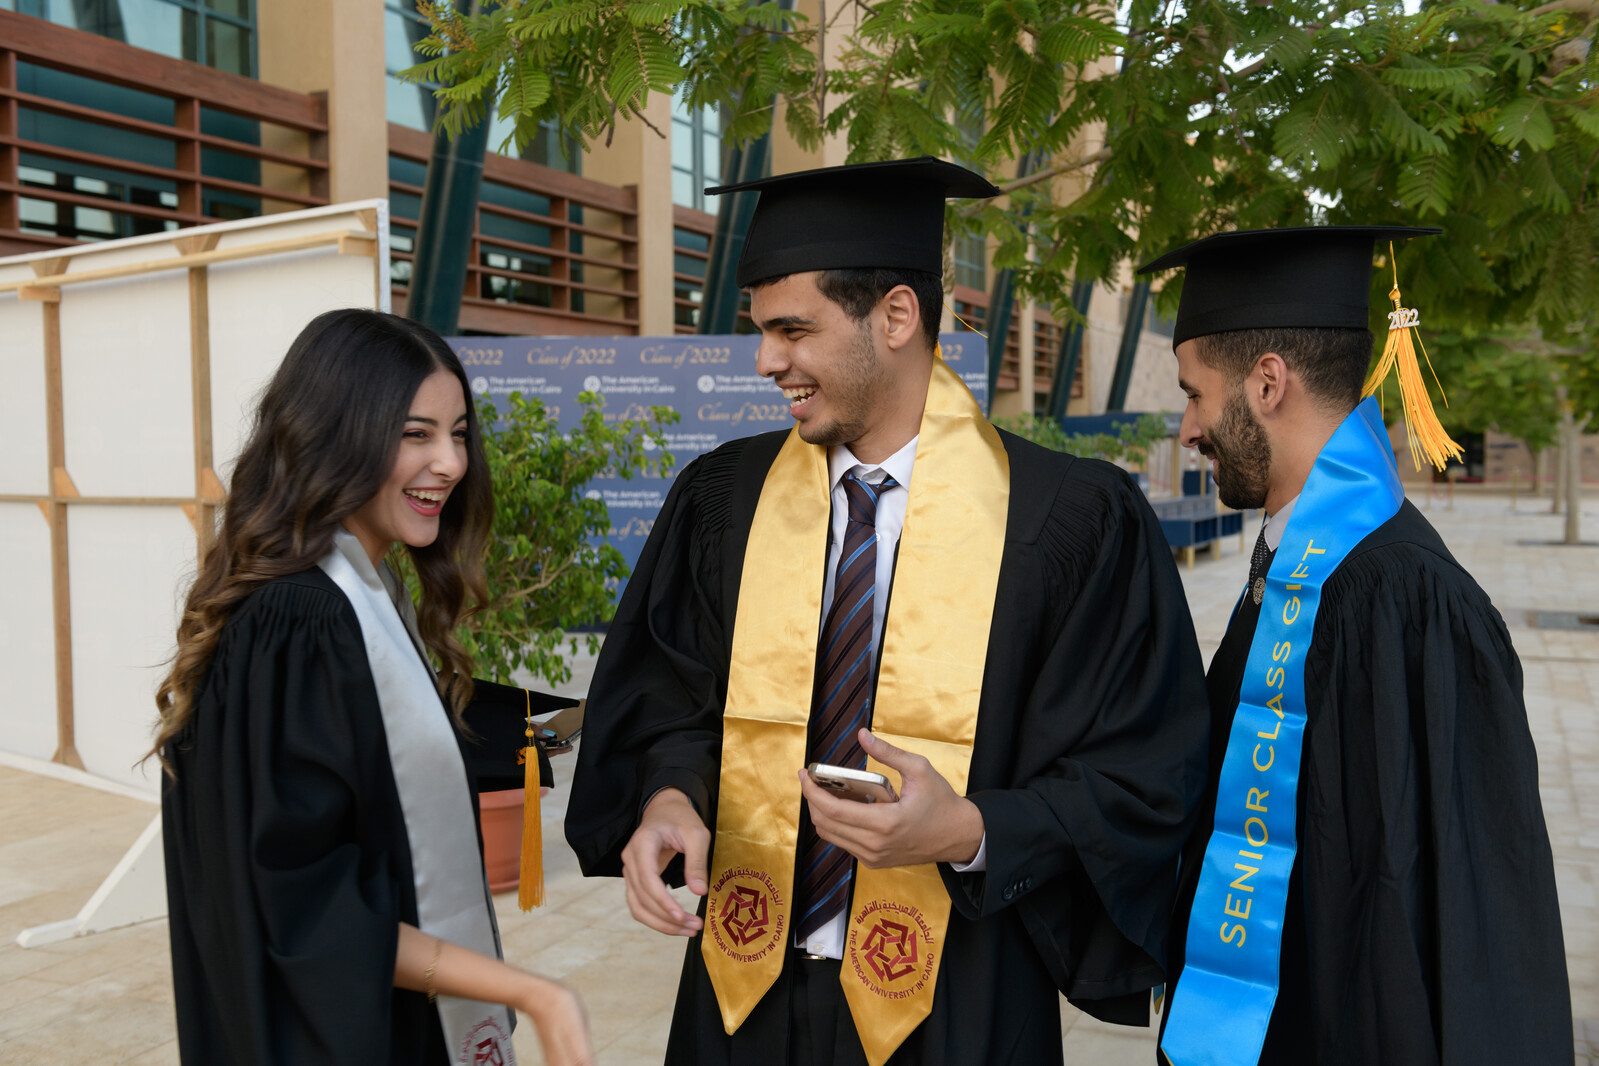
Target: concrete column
334	47
1027	366
638	156
787	156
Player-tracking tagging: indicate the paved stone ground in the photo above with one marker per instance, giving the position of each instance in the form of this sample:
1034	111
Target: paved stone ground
107	998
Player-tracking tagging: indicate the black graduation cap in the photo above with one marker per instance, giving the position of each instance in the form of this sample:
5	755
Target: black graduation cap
497	714
1297	276
864	215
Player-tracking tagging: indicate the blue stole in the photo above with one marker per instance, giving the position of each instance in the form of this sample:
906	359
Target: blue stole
1220	1010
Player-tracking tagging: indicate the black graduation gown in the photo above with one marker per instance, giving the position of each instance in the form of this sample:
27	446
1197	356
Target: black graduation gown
1089	755
1421	923
288	865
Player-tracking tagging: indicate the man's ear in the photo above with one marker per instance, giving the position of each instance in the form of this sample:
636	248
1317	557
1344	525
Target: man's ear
902	316
1267	384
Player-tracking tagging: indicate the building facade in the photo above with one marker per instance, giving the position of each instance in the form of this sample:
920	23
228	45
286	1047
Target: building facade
122	117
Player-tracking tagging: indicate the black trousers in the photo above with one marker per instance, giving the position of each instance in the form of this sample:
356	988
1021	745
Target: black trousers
998	1008
803	1021
815	998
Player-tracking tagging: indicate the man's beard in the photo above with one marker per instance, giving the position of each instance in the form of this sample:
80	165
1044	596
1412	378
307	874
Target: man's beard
1242	451
858	382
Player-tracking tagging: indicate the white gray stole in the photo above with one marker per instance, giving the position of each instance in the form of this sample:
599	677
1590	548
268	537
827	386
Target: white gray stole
452	892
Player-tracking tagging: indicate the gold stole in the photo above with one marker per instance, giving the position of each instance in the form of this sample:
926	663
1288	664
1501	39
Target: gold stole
929	684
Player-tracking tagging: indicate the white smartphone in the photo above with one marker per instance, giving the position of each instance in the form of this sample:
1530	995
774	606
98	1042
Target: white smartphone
862	786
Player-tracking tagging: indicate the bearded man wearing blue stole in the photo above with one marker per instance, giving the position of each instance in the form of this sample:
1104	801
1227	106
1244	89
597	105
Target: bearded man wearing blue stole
1370	879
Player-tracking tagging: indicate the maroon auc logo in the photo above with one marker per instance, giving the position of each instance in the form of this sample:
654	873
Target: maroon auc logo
745	915
890	950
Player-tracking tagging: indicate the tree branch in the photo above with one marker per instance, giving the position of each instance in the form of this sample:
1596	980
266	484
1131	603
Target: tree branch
1585	8
1053	172
644	119
821	64
1311	29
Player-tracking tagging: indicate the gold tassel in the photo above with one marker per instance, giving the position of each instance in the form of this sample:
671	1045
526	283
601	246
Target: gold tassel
530	880
1425	434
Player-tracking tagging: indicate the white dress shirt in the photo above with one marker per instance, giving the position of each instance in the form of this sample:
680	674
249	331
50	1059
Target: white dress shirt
829	940
1276	525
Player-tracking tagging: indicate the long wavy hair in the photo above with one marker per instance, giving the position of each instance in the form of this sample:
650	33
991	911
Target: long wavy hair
325	437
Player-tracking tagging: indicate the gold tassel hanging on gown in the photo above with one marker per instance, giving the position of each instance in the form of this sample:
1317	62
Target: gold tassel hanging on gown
1426	435
530	880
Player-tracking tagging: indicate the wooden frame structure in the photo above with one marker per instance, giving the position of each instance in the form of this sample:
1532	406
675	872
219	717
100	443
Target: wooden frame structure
347	230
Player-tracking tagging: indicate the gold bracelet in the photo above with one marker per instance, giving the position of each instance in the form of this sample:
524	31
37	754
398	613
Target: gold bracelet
427	975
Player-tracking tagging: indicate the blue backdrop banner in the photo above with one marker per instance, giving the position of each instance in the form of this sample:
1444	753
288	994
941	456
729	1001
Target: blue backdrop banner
709	381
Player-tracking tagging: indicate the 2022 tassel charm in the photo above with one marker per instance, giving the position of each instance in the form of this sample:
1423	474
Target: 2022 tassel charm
1425	434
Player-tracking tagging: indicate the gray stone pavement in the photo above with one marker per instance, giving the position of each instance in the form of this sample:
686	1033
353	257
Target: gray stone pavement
107	998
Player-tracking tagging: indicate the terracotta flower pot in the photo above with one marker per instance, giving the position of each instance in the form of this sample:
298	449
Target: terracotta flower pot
500	814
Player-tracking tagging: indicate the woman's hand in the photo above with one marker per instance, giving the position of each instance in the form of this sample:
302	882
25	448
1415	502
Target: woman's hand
561	1022
423	963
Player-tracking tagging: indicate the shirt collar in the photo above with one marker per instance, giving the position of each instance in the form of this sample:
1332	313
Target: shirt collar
841	461
1277	524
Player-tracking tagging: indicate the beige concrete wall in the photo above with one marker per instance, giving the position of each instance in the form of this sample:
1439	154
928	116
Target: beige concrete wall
787	156
1507	459
336	47
640	156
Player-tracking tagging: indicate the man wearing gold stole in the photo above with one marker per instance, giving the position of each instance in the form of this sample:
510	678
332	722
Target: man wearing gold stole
1370	882
1006	620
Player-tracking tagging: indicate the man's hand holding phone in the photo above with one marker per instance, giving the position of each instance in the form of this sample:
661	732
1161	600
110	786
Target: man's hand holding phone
862	786
928	822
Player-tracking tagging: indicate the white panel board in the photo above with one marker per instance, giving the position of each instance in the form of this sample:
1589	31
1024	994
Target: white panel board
27	631
129	433
26	469
130	567
258	306
125	383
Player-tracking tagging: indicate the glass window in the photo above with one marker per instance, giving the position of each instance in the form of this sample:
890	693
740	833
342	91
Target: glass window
82	222
550	146
682	146
217	33
971	254
685	238
1157	324
554	147
696	153
228	46
407	171
683	315
408	104
512	229
493	192
156	26
405	205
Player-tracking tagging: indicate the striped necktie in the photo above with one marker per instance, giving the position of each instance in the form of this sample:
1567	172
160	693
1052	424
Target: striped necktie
843	698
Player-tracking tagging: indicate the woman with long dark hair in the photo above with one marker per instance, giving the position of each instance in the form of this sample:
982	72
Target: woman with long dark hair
324	879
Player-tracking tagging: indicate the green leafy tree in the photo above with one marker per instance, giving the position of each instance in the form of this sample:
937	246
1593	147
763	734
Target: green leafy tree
1131	441
1181	120
587	64
1500	380
549	569
1150	125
